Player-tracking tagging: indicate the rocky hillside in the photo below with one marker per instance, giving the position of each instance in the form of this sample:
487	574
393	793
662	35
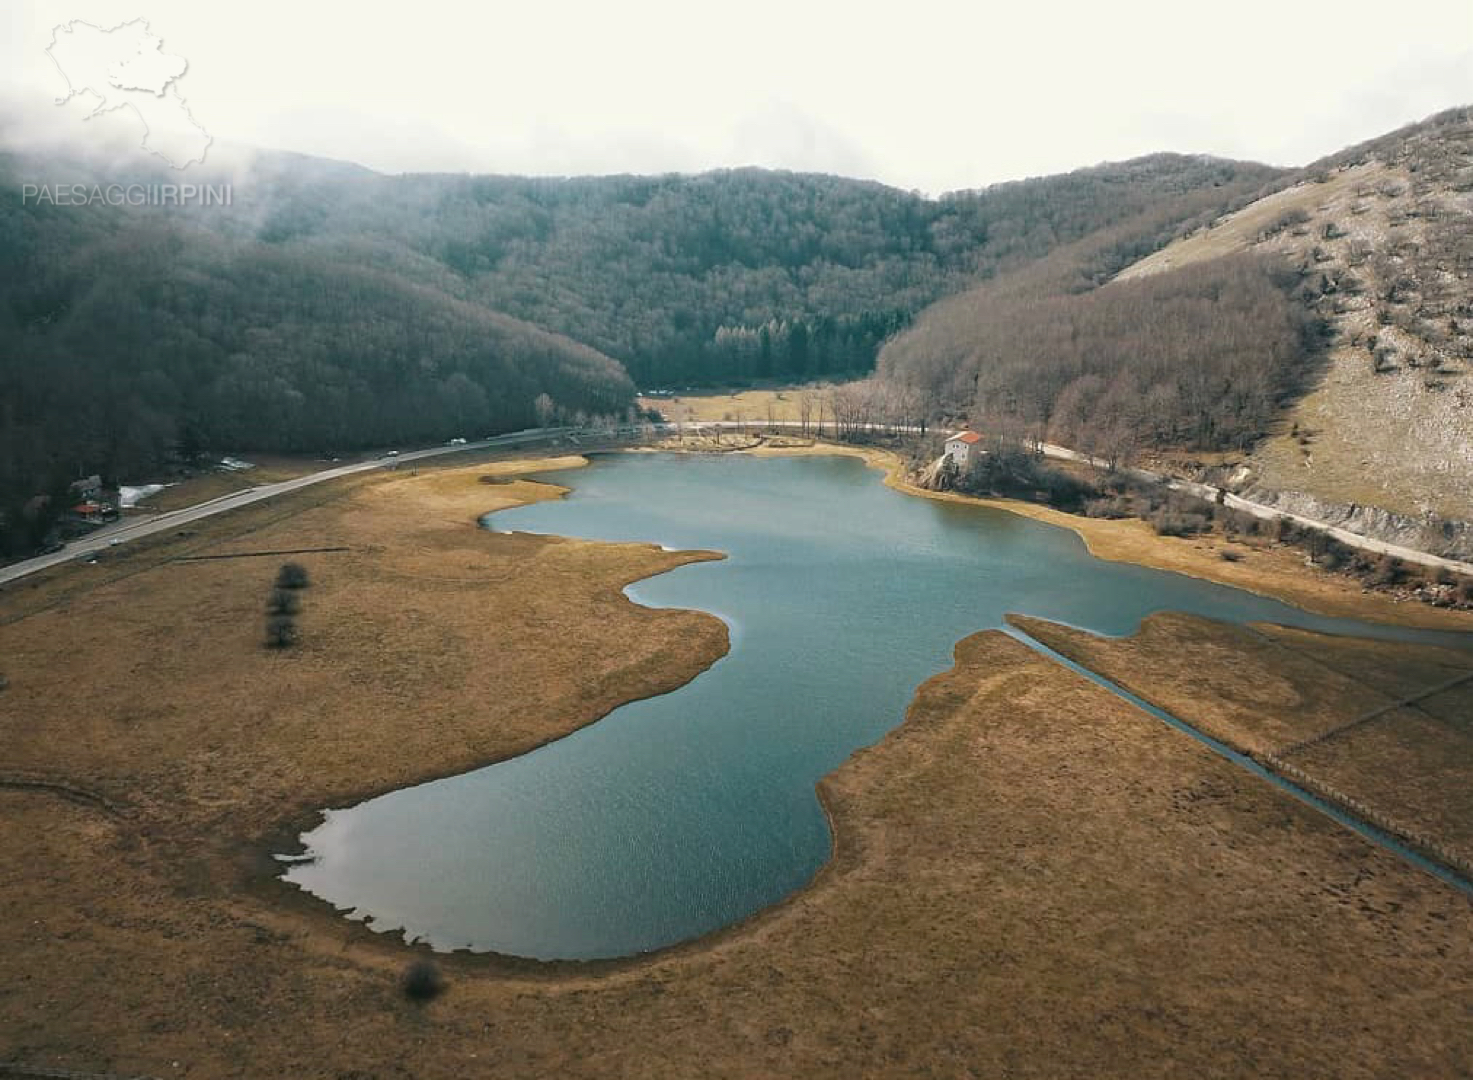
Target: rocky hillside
1382	238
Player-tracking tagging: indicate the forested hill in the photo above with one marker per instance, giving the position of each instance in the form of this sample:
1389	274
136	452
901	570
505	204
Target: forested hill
1322	323
1205	359
1381	240
734	274
130	337
332	307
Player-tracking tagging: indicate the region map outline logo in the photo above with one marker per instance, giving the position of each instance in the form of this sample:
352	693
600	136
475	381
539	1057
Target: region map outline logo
125	66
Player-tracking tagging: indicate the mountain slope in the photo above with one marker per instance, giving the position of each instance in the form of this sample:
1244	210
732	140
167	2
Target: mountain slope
1351	389
1106	367
1382	236
330	306
728	275
127	337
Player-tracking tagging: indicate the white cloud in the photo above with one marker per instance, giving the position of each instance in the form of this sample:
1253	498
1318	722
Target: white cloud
934	94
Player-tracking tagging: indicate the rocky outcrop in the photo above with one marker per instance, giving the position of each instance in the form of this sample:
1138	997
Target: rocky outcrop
932	477
1438	536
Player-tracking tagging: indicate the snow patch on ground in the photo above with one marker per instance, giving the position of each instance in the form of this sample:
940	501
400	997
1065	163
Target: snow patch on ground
129	495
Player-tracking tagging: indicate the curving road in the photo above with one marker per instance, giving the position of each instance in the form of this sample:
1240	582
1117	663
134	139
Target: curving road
136	528
133	528
1259	510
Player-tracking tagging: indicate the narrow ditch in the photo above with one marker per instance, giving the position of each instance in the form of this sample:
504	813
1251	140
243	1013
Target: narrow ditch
1365	829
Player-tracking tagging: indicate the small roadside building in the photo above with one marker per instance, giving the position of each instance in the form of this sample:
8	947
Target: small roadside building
90	512
964	447
86	489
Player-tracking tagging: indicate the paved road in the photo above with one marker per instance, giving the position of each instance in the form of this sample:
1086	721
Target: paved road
1259	510
134	528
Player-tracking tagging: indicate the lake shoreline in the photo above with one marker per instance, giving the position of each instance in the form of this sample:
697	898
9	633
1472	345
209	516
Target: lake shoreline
890	465
175	916
1277	573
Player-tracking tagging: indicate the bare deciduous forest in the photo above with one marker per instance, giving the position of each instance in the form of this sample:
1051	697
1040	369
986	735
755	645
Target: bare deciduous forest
1203	358
334	308
331	308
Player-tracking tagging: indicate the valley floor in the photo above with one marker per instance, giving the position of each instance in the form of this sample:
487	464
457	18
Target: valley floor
1031	877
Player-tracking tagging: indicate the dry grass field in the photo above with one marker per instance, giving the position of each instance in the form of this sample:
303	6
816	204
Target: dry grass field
1031	878
1390	725
754	406
269	469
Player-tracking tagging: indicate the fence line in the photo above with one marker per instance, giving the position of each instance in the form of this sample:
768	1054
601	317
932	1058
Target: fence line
13	1068
260	554
1380	710
1414	838
31	782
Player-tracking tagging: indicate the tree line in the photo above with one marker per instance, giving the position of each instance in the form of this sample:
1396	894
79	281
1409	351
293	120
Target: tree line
331	308
1204	357
735	274
161	343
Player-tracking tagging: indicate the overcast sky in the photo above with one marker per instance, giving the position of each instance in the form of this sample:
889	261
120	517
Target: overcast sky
921	94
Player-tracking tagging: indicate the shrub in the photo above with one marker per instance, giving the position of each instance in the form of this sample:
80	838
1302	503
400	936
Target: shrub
1011	469
1388	571
422	981
1176	523
292	576
1288	219
1113	506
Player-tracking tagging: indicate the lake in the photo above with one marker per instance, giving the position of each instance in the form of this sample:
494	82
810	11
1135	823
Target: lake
680	814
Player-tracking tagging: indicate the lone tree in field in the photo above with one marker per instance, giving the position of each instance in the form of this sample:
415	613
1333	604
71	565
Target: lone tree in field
281	631
292	576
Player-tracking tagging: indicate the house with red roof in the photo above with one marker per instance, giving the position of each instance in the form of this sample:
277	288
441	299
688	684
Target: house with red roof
964	447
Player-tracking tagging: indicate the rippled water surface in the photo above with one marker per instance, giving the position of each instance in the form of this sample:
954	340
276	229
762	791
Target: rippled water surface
683	813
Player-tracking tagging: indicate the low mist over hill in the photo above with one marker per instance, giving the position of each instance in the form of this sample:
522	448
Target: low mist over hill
1318	319
331	307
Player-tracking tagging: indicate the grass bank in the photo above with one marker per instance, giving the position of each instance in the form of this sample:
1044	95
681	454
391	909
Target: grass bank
1031	878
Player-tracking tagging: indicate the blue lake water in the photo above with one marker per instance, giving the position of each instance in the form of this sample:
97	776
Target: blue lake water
683	813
